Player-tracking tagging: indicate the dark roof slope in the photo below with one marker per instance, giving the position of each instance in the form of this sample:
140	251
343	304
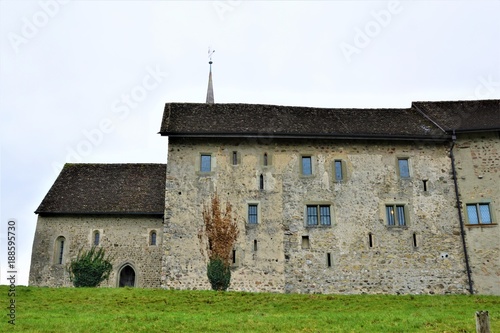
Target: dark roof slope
463	116
107	189
243	120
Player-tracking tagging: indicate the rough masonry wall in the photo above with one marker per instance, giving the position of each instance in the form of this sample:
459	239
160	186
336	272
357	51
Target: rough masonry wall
125	239
478	173
425	256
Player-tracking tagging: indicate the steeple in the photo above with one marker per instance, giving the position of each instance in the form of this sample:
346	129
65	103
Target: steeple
210	90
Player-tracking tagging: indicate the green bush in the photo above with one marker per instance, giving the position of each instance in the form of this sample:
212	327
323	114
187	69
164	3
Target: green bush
218	274
90	268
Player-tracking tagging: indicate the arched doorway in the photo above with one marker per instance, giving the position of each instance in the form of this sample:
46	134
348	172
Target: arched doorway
127	277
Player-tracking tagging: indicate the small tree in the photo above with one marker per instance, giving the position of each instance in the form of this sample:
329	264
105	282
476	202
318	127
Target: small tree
90	268
218	236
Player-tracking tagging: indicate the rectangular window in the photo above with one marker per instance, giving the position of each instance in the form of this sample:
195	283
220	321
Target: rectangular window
404	168
206	163
395	215
253	217
306	165
479	213
338	170
318	214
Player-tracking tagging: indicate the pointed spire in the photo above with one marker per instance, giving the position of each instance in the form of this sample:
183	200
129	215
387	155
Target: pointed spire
210	90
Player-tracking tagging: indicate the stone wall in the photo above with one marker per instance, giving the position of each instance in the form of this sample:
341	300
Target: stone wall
478	173
125	238
357	253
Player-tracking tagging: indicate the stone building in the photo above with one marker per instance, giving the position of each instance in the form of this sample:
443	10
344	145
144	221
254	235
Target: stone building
327	200
115	206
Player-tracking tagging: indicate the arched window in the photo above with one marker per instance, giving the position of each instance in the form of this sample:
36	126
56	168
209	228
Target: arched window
261	182
59	250
96	238
152	238
265	159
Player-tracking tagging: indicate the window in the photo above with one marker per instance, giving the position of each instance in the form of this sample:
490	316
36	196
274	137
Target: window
152	238
96	238
235	158
395	215
261	182
266	159
59	250
206	163
253	217
318	214
404	168
306	165
338	170
479	213
305	242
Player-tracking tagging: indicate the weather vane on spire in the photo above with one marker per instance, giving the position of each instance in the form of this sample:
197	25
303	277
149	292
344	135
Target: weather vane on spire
210	52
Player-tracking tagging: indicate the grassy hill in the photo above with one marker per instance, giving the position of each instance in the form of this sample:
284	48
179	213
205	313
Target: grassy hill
151	310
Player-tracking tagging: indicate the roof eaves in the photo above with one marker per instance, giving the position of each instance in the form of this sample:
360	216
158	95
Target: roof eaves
97	213
443	137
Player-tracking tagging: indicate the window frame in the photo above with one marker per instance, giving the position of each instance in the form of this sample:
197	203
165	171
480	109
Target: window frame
408	167
257	213
311	159
60	246
201	169
479	215
317	208
152	240
343	170
96	238
397	214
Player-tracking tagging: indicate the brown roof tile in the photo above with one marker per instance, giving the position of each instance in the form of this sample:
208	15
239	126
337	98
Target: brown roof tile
205	120
477	115
107	189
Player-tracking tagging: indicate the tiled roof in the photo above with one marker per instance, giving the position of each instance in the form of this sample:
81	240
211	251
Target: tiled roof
477	115
240	120
107	189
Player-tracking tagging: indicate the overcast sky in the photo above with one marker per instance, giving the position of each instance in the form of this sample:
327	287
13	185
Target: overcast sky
86	81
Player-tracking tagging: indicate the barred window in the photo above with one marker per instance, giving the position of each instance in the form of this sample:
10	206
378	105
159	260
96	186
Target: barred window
253	217
395	215
318	215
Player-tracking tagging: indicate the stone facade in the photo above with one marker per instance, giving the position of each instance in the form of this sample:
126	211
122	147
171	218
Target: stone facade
344	201
478	174
357	253
125	238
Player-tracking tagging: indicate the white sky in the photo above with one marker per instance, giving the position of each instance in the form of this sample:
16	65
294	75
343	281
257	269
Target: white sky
67	67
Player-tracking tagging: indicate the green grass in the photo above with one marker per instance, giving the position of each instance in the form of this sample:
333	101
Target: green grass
151	310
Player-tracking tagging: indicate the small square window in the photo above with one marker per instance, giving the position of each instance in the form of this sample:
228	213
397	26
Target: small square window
318	214
395	215
479	213
206	163
404	168
307	165
253	216
338	170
